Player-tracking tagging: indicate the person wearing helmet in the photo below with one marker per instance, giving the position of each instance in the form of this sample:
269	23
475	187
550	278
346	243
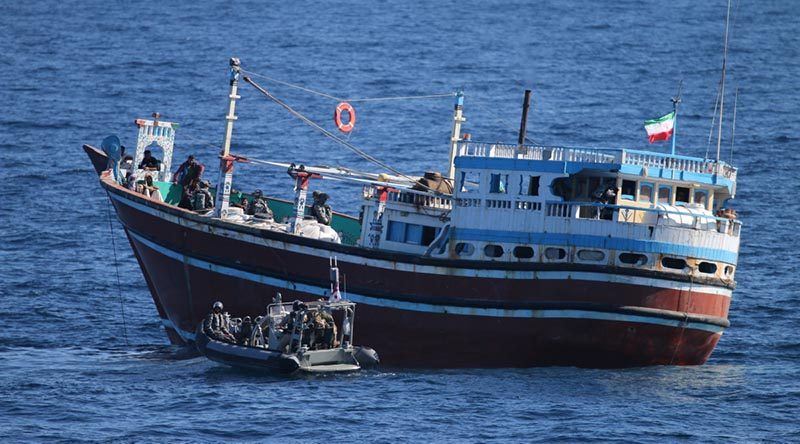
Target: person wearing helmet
215	326
320	208
259	208
202	199
246	332
288	322
324	329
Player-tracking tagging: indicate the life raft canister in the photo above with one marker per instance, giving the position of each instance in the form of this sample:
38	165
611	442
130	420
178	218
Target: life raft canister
337	117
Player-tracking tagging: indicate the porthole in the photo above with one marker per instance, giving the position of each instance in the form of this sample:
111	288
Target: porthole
492	250
555	253
633	259
523	252
465	249
591	255
707	267
674	263
728	270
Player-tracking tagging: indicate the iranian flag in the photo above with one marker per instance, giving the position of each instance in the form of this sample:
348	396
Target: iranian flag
661	128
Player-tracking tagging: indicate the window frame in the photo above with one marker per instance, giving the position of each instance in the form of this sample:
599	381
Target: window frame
669	198
652	187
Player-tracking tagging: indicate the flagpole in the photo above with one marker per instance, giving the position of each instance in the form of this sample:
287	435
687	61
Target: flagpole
675	101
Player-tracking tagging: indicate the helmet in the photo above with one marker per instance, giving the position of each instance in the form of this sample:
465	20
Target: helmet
217	305
296	305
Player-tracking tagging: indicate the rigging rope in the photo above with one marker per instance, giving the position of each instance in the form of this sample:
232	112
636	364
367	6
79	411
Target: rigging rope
116	267
713	119
330	135
341	99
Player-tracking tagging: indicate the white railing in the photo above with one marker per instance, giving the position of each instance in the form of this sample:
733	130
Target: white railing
627	214
596	155
412	197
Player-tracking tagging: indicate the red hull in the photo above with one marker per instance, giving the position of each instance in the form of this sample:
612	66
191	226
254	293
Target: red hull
425	312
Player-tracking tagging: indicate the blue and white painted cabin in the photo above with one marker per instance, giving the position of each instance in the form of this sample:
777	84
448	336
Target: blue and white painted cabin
534	204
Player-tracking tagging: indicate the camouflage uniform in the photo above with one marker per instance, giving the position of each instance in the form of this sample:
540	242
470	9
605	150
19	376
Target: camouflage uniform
260	209
215	327
320	209
324	329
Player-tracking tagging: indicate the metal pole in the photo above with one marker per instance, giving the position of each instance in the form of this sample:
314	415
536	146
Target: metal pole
523	124
458	119
226	161
675	101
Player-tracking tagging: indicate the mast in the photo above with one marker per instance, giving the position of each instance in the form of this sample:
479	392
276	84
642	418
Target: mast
523	124
225	178
675	101
301	178
458	119
722	82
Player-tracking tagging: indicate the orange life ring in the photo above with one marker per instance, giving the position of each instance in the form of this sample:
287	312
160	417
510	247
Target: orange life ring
337	117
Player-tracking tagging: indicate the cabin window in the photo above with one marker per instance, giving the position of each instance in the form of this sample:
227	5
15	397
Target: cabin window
555	253
533	185
681	196
665	194
645	192
728	270
396	231
411	233
707	267
628	189
701	197
492	250
674	263
591	255
497	183
523	252
428	234
470	181
464	249
633	259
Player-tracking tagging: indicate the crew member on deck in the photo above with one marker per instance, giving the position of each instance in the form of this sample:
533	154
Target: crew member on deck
215	326
259	208
320	209
202	200
605	196
189	171
149	162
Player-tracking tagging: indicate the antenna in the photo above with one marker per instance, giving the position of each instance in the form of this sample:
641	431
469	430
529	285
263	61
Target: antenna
722	81
733	130
675	101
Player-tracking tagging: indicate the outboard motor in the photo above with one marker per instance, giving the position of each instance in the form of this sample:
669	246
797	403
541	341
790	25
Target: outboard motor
366	357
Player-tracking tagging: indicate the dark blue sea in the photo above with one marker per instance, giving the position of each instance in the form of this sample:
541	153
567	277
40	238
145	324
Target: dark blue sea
82	353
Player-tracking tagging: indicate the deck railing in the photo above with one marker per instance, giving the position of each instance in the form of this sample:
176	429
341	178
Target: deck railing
598	155
412	197
627	214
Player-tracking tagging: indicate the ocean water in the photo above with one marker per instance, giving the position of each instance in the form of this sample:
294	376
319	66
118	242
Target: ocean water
82	354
